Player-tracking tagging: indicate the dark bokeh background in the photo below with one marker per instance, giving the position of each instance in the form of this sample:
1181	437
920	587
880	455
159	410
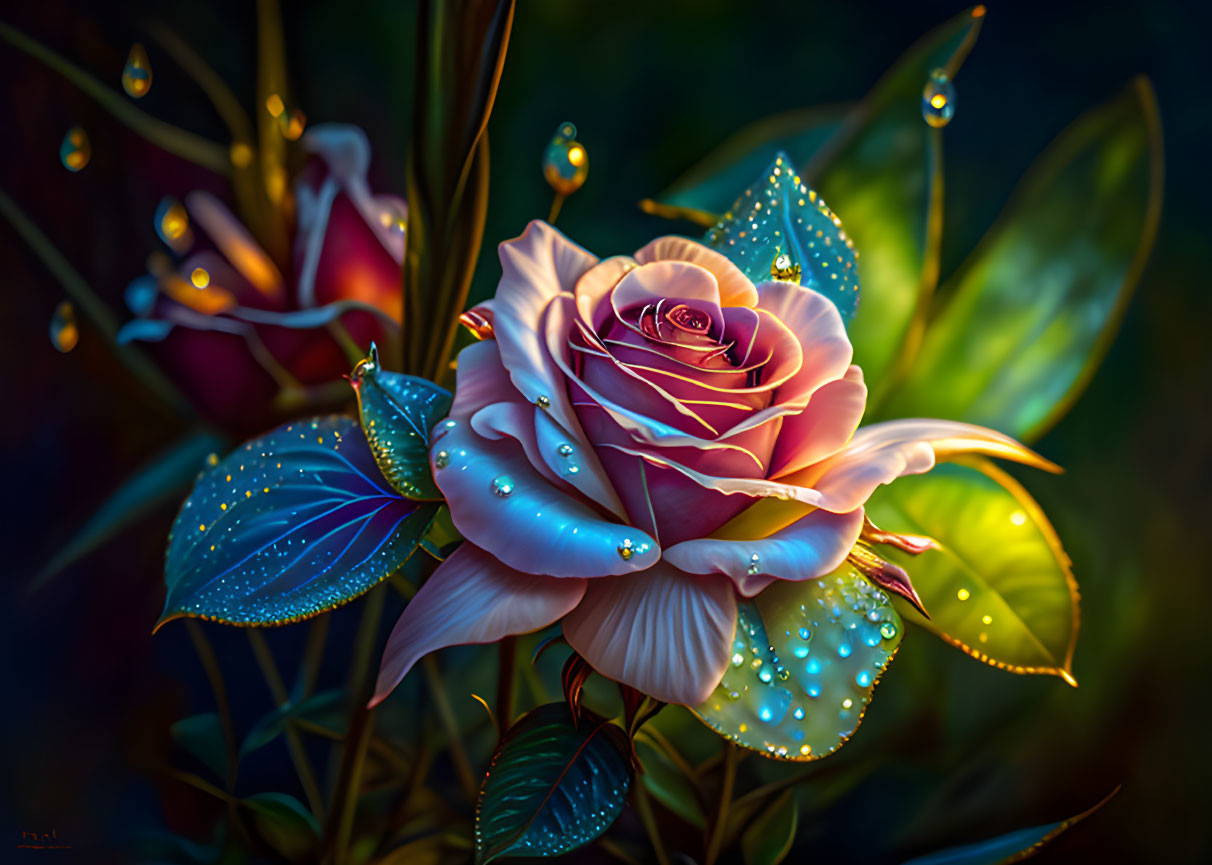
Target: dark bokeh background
968	751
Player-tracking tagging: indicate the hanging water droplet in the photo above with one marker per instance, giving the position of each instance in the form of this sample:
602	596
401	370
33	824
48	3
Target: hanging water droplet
565	162
141	294
938	99
76	150
63	331
784	269
565	450
502	485
543	401
804	633
137	73
172	224
441	459
888	630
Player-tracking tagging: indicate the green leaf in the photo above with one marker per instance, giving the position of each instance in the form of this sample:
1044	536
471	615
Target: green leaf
706	190
1011	847
879	172
202	736
779	228
285	824
806	658
768	839
397	413
161	480
325	709
1037	304
668	784
552	786
288	526
999	588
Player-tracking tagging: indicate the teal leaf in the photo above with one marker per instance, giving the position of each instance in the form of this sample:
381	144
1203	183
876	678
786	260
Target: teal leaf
285	824
710	186
778	228
202	736
768	839
398	411
805	660
144	330
325	709
668	784
161	480
1035	307
1011	847
288	526
552	786
999	586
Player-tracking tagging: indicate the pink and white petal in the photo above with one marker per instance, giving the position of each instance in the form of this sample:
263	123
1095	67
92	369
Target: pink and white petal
580	469
535	268
515	420
500	502
664	632
668	282
823	428
881	453
735	287
808	548
471	598
593	289
818	326
481	380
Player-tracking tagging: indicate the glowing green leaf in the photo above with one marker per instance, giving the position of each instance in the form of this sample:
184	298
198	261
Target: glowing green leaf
999	588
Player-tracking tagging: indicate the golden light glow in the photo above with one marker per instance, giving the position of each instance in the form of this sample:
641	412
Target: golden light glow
978	12
938	100
274	105
293	128
576	154
241	154
1018	518
200	278
175	222
962	594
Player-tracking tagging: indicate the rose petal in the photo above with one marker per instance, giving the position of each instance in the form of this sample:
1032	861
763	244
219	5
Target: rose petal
808	548
663	632
500	502
824	427
480	380
593	289
735	287
669	283
818	327
471	598
535	268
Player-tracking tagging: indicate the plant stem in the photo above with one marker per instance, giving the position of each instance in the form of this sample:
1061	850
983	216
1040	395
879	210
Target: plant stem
643	808
556	204
313	652
721	815
433	678
294	743
206	654
507	655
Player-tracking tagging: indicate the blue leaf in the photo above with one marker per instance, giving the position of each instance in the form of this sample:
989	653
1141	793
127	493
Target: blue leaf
288	526
144	330
780	229
164	478
1011	847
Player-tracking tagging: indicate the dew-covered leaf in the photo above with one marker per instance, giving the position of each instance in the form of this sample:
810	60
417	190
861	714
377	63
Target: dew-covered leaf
202	736
397	413
778	228
1035	307
287	526
161	480
668	784
711	185
552	786
1010	847
999	587
805	659
285	824
768	839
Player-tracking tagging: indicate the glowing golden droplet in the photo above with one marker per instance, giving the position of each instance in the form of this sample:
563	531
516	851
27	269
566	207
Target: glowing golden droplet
963	594
241	154
76	150
293	124
784	269
137	74
212	459
1018	518
64	333
200	278
565	161
274	105
987	619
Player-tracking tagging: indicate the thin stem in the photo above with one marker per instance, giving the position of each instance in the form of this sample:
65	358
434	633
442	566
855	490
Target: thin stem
721	815
313	652
507	655
206	654
294	743
188	146
355	758
556	204
433	678
353	352
212	84
613	849
643	808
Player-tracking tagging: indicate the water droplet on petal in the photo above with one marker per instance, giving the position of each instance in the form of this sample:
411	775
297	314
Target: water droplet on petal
502	485
76	150
938	99
543	401
565	450
137	73
441	459
63	331
626	550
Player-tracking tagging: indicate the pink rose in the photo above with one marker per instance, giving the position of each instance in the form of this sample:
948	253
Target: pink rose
646	438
